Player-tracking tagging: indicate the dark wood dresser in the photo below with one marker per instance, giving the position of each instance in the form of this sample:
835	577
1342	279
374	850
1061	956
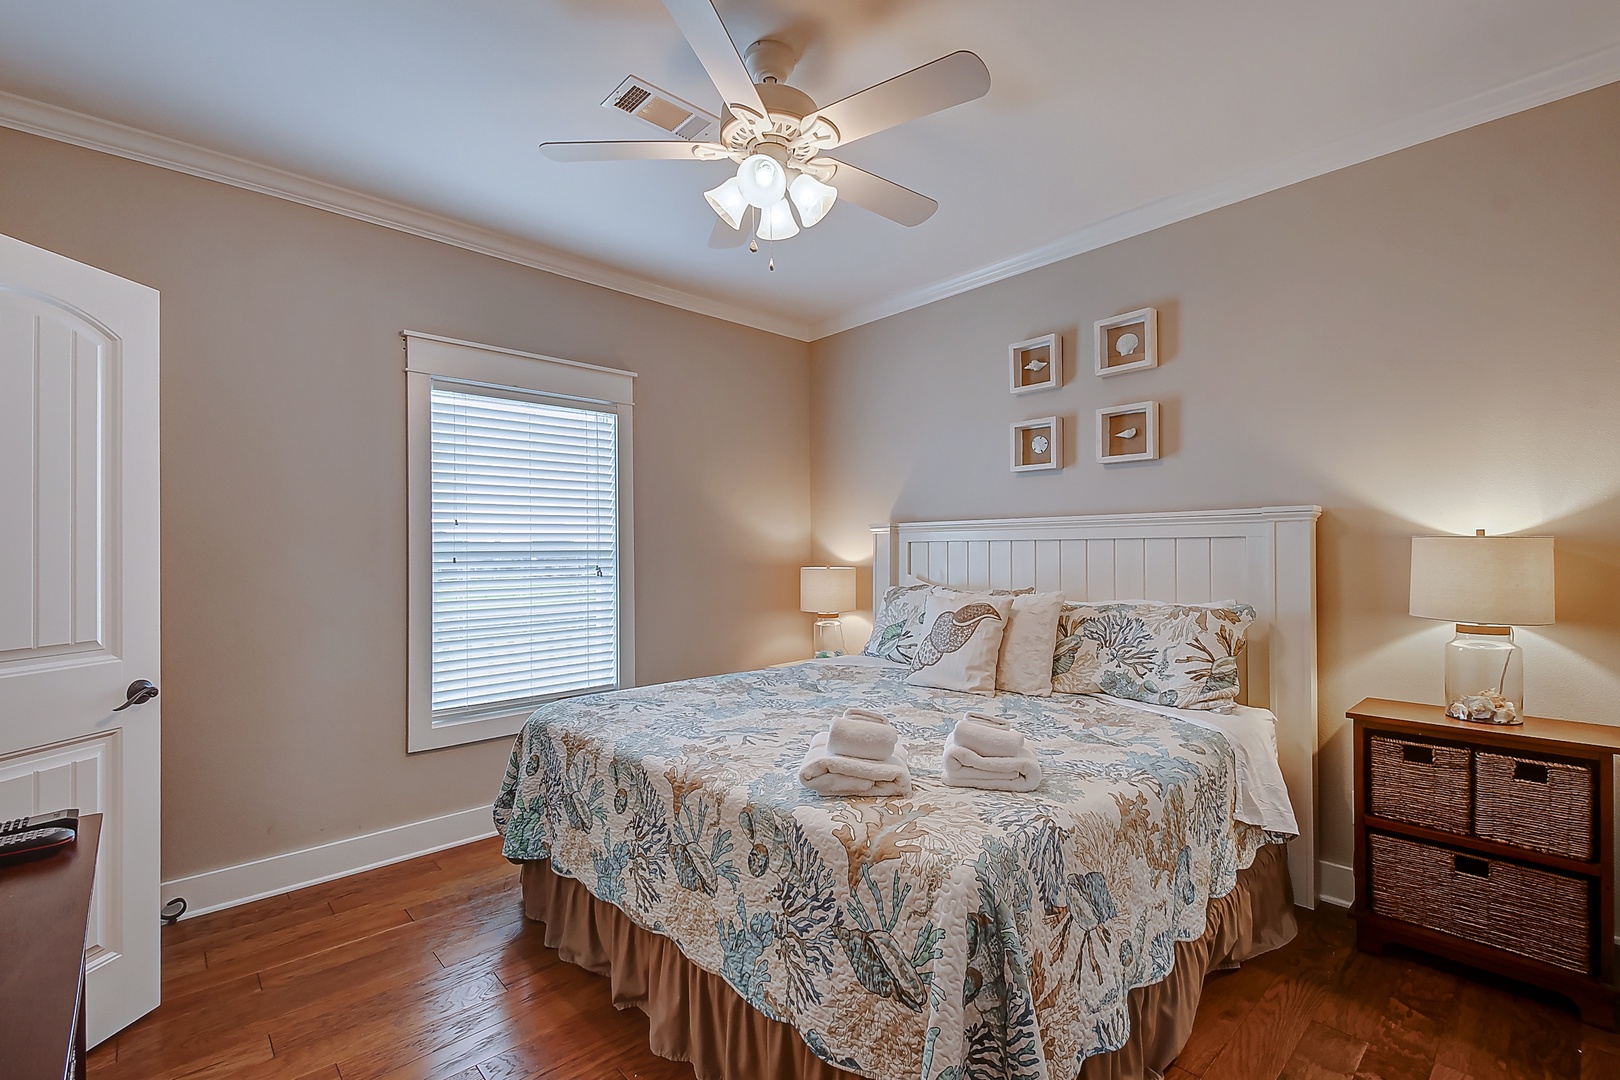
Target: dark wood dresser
44	914
1492	846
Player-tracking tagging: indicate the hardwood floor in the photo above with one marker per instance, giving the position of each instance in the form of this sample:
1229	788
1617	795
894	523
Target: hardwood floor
428	970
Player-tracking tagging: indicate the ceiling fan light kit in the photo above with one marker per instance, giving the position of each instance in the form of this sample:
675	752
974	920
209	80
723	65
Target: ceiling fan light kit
777	135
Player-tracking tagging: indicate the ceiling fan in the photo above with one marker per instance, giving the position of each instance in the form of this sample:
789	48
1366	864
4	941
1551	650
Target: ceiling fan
778	137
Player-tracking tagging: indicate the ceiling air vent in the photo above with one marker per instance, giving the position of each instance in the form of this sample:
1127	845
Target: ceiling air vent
664	111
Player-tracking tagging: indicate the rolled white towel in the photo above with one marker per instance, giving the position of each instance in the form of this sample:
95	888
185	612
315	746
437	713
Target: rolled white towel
861	733
989	735
831	774
964	768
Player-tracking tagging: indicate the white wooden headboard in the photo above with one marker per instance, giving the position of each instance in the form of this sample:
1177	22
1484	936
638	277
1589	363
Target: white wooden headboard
1265	557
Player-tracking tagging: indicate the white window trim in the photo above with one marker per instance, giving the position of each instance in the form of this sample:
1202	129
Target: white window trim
429	358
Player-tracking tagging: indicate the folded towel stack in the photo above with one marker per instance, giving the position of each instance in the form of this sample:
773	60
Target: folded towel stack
856	756
861	733
985	752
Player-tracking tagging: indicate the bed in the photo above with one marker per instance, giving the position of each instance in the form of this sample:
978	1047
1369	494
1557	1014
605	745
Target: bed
767	931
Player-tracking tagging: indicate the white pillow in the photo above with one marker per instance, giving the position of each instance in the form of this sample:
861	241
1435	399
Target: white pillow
960	641
1027	645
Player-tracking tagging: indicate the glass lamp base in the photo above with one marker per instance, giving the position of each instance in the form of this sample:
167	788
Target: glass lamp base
1484	661
827	639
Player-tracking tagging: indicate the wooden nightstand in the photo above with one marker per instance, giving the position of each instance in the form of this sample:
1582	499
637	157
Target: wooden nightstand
1489	845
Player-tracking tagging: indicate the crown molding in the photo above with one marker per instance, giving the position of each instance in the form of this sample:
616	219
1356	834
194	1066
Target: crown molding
1577	76
120	140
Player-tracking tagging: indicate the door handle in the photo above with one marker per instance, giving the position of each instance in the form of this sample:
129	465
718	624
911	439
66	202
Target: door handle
139	693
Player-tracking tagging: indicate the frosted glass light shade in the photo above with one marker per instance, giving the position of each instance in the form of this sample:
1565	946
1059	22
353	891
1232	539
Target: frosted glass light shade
762	180
812	198
776	222
728	202
1483	580
826	590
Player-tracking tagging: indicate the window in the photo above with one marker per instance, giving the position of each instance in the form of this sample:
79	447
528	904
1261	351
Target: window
519	556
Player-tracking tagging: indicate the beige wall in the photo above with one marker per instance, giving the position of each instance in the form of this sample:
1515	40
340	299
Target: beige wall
1425	342
283	442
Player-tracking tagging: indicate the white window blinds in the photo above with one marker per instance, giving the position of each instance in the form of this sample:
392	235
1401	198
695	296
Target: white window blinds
525	549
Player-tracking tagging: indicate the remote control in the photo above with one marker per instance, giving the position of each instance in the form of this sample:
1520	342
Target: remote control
35	842
56	819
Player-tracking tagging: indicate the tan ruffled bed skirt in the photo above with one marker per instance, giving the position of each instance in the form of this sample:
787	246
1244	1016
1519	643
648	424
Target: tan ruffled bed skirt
696	1017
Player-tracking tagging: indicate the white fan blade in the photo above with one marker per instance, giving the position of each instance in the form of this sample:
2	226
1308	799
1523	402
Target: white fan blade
948	81
655	150
880	196
700	23
724	236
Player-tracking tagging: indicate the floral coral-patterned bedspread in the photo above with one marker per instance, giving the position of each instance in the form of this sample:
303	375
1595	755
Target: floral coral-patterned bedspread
951	935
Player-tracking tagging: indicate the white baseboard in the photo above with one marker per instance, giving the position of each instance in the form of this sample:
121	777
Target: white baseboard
232	885
1335	884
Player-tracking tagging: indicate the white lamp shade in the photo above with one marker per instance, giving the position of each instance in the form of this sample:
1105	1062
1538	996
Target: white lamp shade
762	180
728	202
1483	580
776	222
826	590
812	197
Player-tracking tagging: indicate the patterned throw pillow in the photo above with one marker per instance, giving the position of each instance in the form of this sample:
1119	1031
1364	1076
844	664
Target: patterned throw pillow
961	641
896	624
1180	655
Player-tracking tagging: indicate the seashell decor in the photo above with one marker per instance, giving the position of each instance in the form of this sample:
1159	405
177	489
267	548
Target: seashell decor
1127	344
1485	707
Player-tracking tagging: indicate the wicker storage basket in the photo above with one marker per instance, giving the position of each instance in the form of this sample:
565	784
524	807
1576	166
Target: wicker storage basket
1534	803
1536	913
1422	783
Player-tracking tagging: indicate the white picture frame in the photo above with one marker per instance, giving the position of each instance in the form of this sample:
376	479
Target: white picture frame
1128	342
1037	445
1036	364
1128	433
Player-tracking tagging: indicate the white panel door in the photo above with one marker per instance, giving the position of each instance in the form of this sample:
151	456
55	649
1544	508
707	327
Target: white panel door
79	591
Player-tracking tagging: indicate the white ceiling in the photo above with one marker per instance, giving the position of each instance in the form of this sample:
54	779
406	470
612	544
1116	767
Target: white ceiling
1104	118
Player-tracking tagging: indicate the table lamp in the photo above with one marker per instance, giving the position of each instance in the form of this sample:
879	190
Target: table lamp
1487	585
827	591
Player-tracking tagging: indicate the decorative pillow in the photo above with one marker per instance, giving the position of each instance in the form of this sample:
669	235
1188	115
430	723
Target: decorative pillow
1028	644
897	622
1084	652
1181	655
960	642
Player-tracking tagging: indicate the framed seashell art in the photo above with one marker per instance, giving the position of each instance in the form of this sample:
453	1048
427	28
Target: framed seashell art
1128	433
1037	444
1128	342
1036	364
